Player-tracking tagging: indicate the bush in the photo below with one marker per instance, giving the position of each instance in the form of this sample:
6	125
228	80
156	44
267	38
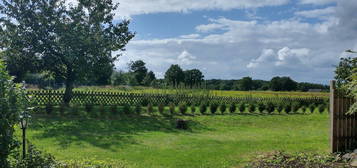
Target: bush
300	160
150	109
295	106
35	159
321	108
49	108
74	110
193	109
288	108
232	108
312	108
303	109
183	108
261	107
203	108
126	109
280	107
161	108
88	107
223	108
213	108
114	110
104	113
172	108
138	109
251	107
241	107
270	107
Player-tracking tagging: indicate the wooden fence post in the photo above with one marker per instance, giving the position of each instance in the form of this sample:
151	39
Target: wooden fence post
333	115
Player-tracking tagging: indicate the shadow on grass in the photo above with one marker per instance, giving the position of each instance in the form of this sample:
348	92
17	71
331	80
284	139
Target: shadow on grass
104	133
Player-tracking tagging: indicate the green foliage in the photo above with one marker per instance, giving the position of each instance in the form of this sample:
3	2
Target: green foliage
193	109
183	108
245	84
193	78
150	109
321	108
232	108
295	106
172	108
174	75
270	107
203	108
261	107
282	84
352	87
251	107
127	109
35	159
138	109
114	110
161	108
344	71
308	160
303	109
280	107
13	103
213	107
312	108
223	108
69	42
139	70
241	107
288	108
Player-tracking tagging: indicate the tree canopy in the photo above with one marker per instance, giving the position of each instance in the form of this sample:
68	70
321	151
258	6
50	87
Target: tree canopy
193	77
139	70
175	75
71	42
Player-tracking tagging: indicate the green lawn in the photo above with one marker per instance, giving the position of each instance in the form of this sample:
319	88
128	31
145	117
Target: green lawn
214	141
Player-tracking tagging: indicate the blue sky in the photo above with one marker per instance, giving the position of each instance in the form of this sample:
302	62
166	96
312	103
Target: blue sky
230	39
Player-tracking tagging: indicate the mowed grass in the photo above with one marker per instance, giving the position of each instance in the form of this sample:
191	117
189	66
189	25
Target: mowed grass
152	142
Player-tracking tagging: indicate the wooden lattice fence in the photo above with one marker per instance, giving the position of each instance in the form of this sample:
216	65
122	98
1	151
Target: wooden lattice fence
343	126
55	97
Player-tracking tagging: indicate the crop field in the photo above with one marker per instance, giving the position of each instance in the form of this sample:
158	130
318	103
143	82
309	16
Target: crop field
152	141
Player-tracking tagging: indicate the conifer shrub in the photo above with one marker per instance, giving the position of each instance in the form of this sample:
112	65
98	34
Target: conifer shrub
321	108
183	108
213	107
150	109
203	108
232	108
303	109
241	107
251	107
288	108
312	107
193	109
270	107
280	107
161	108
295	106
223	108
172	108
126	109
138	109
261	107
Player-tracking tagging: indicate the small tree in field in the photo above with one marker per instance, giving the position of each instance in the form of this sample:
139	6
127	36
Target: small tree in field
213	107
203	108
232	108
13	102
241	107
223	108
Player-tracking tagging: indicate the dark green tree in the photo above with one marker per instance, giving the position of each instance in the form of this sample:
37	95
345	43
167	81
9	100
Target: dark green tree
70	42
174	75
193	77
149	78
283	84
139	70
245	84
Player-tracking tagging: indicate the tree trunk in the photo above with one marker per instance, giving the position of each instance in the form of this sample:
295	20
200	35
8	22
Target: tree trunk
68	92
69	88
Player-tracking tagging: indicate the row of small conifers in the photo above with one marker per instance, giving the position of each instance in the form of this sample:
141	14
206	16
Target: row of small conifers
183	108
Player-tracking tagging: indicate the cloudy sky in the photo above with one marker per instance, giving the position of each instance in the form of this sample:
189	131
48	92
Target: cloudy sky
230	39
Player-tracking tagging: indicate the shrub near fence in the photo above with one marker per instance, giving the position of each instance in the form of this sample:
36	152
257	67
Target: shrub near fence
55	98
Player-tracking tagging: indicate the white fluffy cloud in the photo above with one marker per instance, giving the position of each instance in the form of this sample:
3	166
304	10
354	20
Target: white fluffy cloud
324	13
303	50
317	2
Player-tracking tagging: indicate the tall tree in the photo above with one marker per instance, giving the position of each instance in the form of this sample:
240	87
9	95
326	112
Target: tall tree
245	84
193	77
139	70
282	84
70	42
174	75
149	78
